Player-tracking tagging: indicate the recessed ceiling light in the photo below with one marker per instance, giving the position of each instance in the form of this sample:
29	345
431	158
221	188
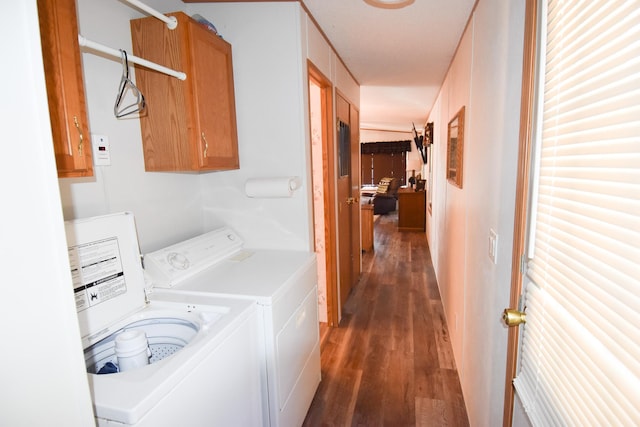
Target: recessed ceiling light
389	4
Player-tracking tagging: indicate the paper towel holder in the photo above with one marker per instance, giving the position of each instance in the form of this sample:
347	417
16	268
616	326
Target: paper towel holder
295	183
272	187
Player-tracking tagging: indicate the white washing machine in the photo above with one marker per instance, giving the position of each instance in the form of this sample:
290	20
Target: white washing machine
159	359
283	285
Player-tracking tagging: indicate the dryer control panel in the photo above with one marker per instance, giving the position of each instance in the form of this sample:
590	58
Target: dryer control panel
173	264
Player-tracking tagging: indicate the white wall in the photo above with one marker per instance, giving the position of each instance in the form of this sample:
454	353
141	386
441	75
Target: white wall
269	73
270	87
452	232
43	381
167	206
495	113
485	77
343	81
436	217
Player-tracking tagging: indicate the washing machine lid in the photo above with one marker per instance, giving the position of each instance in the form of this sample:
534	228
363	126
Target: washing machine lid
106	270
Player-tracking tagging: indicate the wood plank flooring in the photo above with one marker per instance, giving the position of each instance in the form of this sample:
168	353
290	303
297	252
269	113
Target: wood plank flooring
390	362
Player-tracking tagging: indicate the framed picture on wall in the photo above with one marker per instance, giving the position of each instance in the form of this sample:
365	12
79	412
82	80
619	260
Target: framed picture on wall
455	148
428	134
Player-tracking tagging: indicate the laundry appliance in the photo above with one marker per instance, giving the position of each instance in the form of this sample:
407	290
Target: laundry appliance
155	358
282	284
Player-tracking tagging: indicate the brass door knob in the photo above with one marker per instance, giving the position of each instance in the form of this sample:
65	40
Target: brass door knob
513	317
351	201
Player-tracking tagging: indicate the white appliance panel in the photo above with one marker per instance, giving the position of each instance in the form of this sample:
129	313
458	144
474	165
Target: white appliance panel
295	343
295	410
284	286
107	276
300	284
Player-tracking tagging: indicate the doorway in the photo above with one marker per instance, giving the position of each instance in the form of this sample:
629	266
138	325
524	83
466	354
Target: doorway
335	156
323	178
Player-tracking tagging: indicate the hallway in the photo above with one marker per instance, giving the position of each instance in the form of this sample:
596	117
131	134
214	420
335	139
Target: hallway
390	362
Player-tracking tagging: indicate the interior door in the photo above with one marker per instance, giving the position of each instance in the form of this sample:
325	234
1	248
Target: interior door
346	203
356	241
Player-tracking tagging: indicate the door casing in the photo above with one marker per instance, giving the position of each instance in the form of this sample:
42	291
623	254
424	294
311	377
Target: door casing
328	201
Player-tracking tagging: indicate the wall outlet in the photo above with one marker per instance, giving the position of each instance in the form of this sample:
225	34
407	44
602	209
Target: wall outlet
493	246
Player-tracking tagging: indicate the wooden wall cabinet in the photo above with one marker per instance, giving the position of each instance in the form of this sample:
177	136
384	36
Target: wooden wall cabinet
65	87
411	210
189	125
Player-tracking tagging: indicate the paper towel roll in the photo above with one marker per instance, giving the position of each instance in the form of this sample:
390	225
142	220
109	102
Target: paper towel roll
272	187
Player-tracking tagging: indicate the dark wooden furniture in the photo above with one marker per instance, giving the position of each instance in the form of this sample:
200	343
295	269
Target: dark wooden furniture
366	223
411	210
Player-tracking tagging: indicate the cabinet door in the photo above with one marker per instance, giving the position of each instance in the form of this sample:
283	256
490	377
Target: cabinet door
189	125
212	77
65	88
167	128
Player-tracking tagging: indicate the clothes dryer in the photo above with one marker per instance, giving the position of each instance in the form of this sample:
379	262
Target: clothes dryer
281	283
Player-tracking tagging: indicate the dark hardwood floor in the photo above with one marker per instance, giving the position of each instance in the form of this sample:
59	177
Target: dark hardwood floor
390	362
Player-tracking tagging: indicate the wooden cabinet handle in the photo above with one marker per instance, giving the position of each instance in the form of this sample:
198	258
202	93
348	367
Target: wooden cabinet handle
81	140
206	145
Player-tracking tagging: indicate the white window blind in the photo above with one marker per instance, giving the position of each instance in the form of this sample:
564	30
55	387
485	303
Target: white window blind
580	348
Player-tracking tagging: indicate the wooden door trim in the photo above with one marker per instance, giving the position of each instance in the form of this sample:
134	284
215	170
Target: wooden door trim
329	200
527	106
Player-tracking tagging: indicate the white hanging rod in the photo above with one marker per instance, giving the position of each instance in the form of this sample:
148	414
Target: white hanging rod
171	21
131	58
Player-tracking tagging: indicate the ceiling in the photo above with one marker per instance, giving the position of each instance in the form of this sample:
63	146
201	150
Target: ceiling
398	56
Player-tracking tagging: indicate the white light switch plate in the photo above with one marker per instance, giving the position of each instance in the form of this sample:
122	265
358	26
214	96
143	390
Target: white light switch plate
101	150
493	246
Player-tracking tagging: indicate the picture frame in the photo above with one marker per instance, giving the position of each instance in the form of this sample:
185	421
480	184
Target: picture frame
455	148
428	134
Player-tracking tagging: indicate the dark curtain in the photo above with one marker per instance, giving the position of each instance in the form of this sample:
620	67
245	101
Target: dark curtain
384	159
387	147
366	164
